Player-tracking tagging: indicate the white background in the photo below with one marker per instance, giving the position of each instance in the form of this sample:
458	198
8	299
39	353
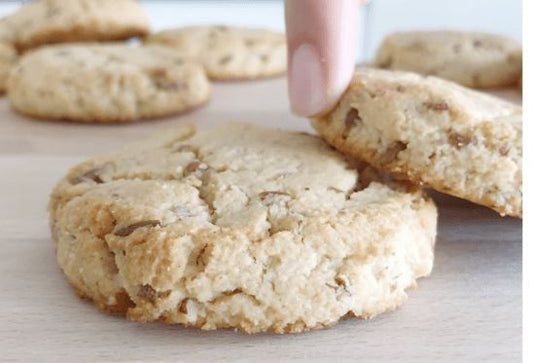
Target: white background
380	18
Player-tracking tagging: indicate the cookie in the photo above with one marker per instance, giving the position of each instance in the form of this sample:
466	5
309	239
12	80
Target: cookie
239	227
55	21
477	60
8	58
230	53
8	53
106	83
433	132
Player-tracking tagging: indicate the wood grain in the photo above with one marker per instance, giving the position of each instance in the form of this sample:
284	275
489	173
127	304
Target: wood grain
469	309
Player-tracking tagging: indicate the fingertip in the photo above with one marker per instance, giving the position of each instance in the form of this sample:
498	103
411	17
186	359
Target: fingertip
306	82
322	39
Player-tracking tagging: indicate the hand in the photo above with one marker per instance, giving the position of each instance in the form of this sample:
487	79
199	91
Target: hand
321	39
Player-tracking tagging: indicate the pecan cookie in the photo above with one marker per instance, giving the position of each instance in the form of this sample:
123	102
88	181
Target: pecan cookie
8	58
473	59
55	21
434	132
230	53
8	53
106	83
239	227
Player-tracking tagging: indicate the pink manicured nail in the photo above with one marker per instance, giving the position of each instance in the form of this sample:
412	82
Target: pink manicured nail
306	82
321	38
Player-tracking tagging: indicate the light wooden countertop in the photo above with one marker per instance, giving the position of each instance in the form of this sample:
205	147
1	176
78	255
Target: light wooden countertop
470	309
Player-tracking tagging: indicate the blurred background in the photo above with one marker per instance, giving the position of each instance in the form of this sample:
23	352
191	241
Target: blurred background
377	19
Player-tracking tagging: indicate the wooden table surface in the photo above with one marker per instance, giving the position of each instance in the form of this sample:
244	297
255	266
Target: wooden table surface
470	309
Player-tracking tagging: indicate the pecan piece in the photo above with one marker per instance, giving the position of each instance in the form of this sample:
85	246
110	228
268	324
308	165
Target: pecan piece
183	306
340	286
203	256
436	106
195	167
232	292
126	231
270	197
164	81
352	119
366	176
392	152
400	88
88	175
459	140
149	293
343	284
123	303
504	150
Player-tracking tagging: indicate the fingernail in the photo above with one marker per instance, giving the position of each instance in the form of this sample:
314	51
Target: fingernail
307	84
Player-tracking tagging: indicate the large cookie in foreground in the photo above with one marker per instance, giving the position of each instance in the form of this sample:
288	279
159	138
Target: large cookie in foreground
229	53
103	83
473	59
431	131
239	227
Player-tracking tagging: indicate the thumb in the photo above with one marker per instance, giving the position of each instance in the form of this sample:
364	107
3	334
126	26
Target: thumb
321	40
